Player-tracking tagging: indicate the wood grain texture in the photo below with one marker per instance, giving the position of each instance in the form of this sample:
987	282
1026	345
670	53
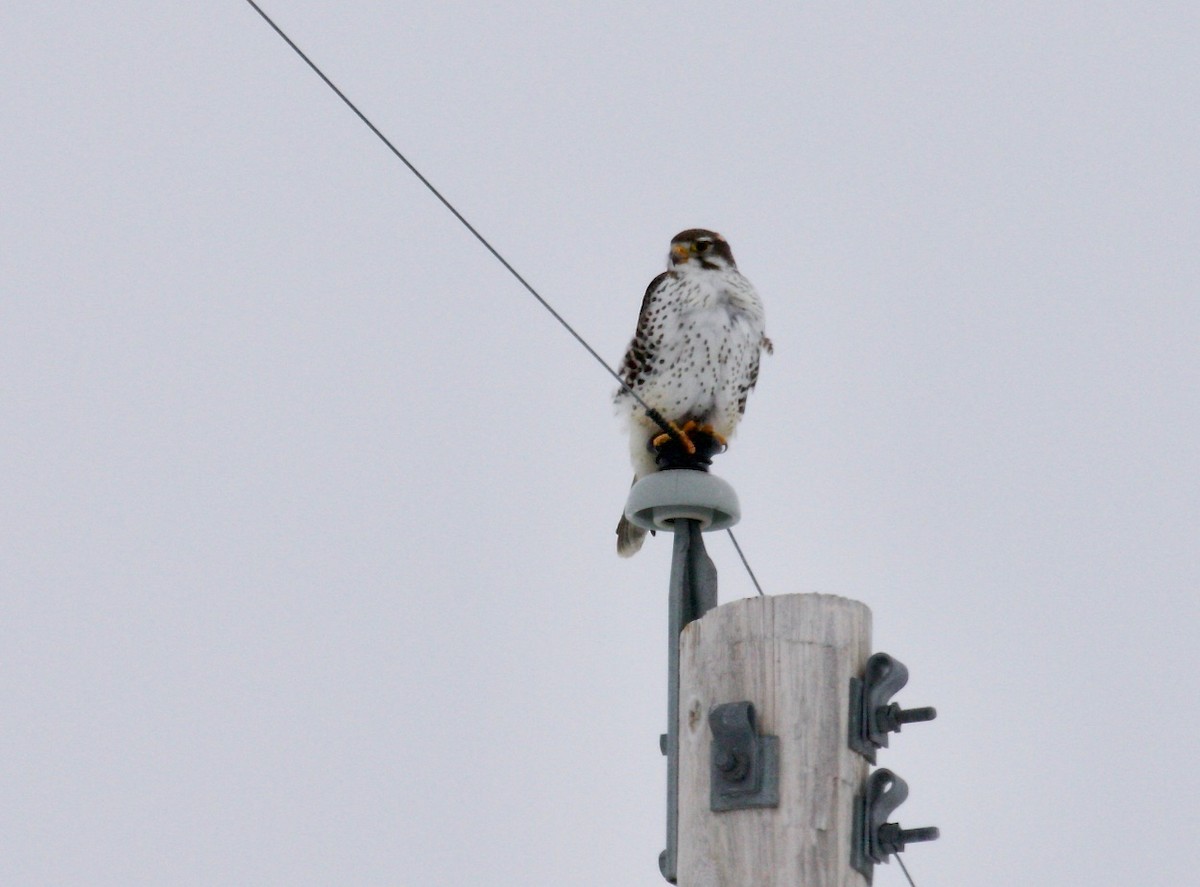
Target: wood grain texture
793	657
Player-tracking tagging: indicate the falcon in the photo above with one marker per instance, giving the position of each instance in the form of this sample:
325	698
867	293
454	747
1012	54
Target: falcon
694	359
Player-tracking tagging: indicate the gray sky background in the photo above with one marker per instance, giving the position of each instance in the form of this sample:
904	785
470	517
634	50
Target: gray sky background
307	557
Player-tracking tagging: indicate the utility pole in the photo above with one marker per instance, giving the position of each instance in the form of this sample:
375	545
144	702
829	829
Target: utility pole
776	709
791	657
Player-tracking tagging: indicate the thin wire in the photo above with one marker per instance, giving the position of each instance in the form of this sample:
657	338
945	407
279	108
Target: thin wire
904	869
654	414
745	562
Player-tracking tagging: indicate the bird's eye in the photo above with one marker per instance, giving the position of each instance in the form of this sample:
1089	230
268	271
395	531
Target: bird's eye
703	245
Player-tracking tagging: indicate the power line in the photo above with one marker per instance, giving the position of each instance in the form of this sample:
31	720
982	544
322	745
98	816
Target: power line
904	868
745	562
652	413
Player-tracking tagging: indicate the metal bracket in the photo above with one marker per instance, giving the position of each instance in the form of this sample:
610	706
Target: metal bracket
874	837
744	769
693	593
871	715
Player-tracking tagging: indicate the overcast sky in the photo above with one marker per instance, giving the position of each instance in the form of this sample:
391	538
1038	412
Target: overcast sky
306	568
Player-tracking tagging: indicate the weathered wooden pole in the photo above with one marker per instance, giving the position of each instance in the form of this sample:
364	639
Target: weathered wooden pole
775	711
791	657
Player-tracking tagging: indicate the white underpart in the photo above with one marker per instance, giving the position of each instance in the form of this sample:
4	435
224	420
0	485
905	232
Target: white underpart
705	348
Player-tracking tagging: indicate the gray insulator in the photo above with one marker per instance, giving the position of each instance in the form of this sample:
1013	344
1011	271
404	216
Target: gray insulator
658	499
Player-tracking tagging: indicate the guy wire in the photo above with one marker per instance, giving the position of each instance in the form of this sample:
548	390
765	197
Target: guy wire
654	415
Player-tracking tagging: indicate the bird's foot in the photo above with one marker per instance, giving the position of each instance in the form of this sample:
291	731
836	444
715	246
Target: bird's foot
691	446
678	435
710	432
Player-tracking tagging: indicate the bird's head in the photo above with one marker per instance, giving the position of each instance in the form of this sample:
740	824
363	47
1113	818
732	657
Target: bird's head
700	249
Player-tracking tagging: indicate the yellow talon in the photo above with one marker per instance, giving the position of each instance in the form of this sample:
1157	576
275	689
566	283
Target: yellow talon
680	434
712	432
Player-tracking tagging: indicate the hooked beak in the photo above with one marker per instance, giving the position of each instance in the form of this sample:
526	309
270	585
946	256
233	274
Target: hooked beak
679	253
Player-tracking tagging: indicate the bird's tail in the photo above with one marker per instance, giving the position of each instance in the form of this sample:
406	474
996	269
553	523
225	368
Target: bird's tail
629	538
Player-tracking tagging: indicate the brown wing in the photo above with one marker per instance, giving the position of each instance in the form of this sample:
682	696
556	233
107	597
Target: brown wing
638	358
752	376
